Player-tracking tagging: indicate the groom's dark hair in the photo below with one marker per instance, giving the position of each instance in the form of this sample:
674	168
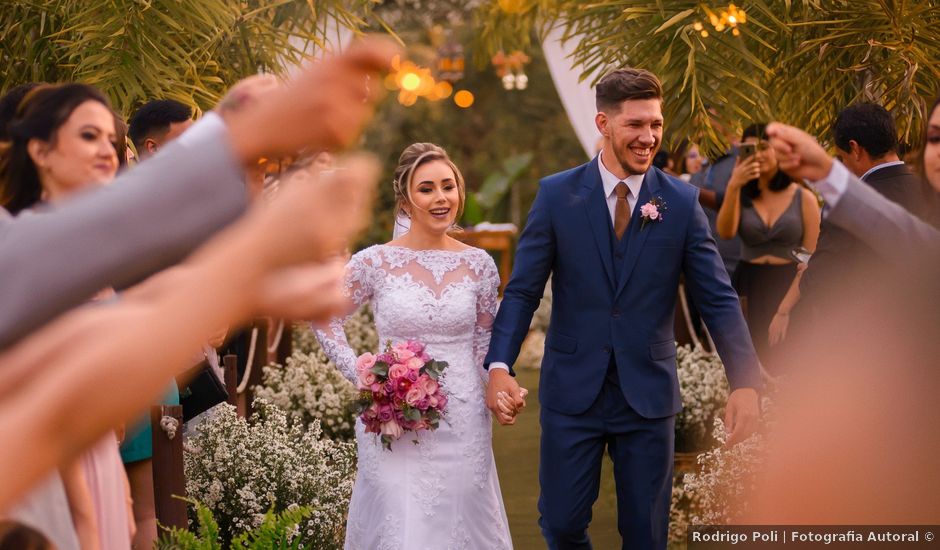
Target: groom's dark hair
624	84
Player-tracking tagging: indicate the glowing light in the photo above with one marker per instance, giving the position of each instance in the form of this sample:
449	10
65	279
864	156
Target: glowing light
410	81
704	34
698	26
733	20
443	89
736	32
463	99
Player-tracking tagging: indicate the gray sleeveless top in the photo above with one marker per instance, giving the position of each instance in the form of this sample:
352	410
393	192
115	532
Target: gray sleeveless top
777	240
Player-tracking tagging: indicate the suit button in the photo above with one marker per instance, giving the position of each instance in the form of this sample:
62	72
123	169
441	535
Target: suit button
615	313
619	255
606	349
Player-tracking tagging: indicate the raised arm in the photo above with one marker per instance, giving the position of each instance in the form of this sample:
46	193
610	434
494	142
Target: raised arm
729	215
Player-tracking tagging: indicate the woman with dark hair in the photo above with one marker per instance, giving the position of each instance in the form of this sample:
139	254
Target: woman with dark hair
63	141
773	216
930	165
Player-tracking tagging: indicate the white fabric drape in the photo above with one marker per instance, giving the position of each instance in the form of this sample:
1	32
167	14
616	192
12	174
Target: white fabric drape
577	96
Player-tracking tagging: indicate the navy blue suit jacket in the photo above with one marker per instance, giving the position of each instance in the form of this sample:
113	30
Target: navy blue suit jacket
595	314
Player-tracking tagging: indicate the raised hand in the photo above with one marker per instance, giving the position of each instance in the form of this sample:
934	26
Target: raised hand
745	169
316	220
324	108
798	153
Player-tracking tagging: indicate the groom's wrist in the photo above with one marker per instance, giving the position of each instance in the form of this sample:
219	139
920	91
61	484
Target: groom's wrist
498	366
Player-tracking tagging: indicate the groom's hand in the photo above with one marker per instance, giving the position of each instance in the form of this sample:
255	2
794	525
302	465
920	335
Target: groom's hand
502	381
741	415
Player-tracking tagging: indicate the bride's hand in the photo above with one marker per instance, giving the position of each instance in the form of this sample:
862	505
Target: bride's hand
507	413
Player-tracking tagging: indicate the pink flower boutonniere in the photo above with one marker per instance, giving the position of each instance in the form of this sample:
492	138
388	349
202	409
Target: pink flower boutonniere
652	211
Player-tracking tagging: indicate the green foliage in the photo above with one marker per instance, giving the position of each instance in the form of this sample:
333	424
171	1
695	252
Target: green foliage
277	531
795	61
189	50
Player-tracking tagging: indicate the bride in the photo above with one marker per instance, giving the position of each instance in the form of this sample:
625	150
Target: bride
442	492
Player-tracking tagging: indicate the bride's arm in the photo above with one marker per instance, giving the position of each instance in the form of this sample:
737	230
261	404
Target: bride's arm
333	336
487	304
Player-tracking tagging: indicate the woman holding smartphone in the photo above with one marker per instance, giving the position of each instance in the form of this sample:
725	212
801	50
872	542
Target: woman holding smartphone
773	216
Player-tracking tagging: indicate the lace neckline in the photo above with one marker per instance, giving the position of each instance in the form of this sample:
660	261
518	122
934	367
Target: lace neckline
427	250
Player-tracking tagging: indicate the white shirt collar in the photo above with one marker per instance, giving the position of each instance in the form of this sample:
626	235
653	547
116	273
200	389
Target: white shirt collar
634	183
873	169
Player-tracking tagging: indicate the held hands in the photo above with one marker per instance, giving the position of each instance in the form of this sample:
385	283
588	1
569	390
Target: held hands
741	415
745	169
504	397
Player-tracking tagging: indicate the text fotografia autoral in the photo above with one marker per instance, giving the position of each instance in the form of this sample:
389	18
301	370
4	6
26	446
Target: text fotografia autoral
801	536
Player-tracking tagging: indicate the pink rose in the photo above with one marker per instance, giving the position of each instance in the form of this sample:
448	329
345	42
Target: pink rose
649	210
365	362
386	413
416	347
415	363
415	394
397	371
392	428
429	384
366	379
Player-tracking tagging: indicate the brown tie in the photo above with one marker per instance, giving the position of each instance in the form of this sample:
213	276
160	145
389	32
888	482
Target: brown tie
622	211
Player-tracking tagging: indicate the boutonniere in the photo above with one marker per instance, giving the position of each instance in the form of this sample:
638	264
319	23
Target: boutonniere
652	211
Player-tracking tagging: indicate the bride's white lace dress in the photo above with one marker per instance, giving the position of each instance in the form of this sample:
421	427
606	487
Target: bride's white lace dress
442	493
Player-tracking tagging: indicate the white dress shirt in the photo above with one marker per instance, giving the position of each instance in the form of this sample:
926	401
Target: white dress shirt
610	181
833	186
880	166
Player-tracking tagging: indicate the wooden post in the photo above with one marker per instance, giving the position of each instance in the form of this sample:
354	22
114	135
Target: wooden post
285	347
230	365
168	477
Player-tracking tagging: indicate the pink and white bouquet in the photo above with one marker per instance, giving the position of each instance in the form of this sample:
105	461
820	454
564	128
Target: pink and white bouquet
399	391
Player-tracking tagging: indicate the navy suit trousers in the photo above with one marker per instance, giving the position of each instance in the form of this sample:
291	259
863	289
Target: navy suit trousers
572	448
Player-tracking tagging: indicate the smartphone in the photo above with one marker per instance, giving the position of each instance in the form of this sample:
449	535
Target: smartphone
746	150
800	254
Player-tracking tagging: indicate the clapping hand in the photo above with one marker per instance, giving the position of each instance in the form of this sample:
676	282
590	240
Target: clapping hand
798	153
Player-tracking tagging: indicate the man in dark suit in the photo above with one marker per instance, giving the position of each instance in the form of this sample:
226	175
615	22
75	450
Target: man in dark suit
615	234
867	144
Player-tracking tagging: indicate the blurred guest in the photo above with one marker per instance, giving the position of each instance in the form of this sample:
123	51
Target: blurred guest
712	182
686	160
156	123
156	214
866	143
930	165
773	216
855	439
663	161
65	142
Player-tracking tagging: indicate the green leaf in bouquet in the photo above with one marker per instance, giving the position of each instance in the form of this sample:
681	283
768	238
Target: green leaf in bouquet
411	413
380	369
387	442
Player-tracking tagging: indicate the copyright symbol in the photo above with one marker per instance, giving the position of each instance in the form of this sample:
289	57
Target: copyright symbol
928	536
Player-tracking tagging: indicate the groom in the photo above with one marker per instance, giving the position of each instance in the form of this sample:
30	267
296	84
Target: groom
615	234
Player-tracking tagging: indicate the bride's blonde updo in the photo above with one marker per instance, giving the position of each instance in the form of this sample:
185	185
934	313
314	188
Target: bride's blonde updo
411	158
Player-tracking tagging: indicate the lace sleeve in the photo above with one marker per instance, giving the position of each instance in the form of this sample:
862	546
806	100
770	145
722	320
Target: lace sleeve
333	337
487	303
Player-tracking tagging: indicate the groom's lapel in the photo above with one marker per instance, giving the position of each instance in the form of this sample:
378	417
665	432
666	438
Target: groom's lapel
637	236
595	203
